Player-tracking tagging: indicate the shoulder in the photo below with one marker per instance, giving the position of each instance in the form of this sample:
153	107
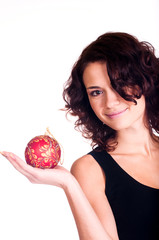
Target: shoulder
85	164
91	178
88	173
86	161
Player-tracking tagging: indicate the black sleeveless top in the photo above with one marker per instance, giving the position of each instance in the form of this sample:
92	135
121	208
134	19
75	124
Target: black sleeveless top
135	206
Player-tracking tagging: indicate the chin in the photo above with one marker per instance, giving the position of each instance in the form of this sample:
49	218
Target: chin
119	126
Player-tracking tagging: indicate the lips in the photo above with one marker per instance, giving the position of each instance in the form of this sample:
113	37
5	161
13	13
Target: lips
116	114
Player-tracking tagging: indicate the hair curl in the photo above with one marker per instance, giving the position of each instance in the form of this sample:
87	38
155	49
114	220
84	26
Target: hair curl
130	63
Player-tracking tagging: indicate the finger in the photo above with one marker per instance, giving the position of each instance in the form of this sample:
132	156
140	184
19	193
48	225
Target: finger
20	165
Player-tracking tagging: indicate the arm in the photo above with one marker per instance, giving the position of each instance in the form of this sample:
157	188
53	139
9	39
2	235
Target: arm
88	224
87	213
95	215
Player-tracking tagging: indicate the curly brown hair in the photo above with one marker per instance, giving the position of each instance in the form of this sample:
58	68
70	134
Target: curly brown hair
130	63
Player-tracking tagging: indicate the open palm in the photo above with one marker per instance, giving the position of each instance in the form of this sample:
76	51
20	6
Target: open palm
56	176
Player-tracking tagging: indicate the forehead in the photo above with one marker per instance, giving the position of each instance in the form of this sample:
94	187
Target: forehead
96	74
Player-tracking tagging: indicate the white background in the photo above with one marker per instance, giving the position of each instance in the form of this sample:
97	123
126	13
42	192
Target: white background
39	42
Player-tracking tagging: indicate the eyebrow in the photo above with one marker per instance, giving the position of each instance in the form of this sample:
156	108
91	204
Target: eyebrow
92	87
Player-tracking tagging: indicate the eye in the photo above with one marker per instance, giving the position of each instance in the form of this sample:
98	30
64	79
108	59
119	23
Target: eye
95	93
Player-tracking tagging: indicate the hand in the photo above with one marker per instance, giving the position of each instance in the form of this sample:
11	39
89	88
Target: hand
58	176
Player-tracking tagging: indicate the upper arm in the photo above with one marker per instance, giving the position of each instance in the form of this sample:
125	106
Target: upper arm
92	180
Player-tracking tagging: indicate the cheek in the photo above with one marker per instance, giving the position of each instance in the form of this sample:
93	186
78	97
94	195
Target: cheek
96	106
97	111
140	107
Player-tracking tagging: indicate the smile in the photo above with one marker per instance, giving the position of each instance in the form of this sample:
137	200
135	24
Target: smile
116	114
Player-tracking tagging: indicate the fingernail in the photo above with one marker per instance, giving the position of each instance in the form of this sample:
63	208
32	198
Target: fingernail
4	154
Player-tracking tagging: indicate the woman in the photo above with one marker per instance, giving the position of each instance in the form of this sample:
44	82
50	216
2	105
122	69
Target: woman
114	190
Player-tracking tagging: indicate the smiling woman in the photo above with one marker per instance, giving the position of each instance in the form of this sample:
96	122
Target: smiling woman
113	191
132	70
107	104
113	89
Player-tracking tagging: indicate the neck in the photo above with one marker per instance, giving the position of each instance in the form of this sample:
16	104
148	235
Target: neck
134	140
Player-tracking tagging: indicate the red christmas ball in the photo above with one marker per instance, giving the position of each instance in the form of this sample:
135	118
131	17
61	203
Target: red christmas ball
43	152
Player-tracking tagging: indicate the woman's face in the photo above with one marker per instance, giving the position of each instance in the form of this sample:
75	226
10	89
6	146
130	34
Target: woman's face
107	104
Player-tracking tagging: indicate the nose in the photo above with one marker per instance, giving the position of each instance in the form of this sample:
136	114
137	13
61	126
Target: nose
112	99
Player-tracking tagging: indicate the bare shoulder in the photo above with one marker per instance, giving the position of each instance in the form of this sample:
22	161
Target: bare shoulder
86	165
92	180
89	174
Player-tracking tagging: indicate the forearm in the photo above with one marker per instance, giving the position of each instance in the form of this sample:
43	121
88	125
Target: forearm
88	224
